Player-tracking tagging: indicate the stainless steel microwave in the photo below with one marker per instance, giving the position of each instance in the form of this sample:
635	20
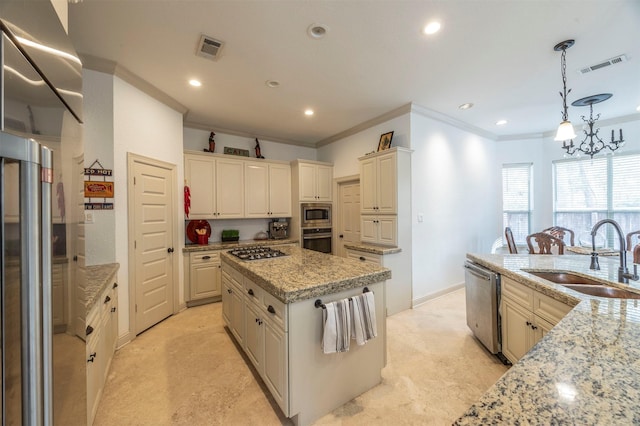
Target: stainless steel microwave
315	215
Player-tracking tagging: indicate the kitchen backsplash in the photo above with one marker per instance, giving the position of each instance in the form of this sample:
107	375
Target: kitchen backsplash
248	228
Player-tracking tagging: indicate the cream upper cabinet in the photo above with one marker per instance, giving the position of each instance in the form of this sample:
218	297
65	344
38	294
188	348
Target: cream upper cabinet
378	183
315	182
379	229
216	186
267	189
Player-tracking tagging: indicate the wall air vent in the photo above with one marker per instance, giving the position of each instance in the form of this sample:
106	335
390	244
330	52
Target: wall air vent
209	47
603	64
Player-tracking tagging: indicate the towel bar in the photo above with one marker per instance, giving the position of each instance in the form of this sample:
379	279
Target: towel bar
318	303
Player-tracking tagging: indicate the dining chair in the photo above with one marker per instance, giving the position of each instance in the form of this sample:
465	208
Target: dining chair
560	232
511	243
545	243
630	239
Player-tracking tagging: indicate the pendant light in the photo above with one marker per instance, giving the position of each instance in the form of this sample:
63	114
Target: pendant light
565	130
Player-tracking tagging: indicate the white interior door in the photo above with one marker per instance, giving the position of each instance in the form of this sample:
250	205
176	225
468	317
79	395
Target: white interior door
349	215
153	246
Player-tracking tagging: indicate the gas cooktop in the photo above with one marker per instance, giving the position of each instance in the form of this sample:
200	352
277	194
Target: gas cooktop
256	253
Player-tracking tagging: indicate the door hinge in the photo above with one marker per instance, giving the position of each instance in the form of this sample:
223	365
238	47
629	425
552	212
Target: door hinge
136	307
135	244
134	180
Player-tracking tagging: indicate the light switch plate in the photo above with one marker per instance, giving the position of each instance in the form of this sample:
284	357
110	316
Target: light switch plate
420	217
88	216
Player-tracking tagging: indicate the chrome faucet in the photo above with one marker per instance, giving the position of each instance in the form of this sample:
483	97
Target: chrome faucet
623	273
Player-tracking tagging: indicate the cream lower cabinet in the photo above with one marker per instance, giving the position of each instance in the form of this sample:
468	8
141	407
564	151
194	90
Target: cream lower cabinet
233	303
205	275
379	229
101	339
374	259
527	316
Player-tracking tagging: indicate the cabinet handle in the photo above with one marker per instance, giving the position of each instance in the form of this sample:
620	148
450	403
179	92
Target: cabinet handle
250	292
206	257
115	285
107	299
113	309
92	357
88	331
533	327
528	323
229	291
362	258
271	310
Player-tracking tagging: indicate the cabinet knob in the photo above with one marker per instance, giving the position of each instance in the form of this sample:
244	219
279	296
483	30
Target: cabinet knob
88	331
170	250
362	258
229	291
271	310
533	327
250	292
528	323
92	357
113	309
115	285
107	299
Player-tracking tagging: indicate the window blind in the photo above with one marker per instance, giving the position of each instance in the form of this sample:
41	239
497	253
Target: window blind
516	199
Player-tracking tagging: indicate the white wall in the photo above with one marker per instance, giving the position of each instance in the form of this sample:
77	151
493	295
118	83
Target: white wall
456	187
100	246
543	151
197	140
344	153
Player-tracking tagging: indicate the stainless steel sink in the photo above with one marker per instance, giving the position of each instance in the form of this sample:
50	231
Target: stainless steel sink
585	285
603	291
565	278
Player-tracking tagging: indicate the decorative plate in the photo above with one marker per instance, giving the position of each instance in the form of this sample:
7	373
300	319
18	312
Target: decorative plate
197	224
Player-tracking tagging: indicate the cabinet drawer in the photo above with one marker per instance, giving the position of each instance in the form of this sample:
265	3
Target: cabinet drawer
205	257
517	292
376	259
549	308
277	311
253	292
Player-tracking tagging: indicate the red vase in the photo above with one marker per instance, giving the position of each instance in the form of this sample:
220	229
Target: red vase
203	240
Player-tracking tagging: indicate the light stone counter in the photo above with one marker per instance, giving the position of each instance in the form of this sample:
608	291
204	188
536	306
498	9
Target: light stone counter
586	370
306	274
231	245
98	277
371	248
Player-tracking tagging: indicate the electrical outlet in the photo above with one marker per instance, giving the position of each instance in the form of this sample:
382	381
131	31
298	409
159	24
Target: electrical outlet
88	216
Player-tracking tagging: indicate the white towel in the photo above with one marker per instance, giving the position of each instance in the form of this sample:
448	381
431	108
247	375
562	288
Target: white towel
336	333
364	317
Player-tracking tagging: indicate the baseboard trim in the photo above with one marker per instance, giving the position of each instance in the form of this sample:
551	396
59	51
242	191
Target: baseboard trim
123	340
419	301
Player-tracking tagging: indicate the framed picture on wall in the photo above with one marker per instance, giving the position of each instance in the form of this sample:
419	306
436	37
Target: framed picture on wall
385	141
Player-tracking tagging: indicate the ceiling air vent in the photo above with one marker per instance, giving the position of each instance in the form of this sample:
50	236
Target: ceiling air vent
612	61
209	47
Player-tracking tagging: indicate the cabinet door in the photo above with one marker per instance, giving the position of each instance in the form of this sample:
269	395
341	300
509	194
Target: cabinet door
387	230
275	364
516	330
237	315
227	301
94	368
307	181
542	327
387	177
257	190
205	280
279	190
324	183
200	177
254	336
229	185
368	229
368	185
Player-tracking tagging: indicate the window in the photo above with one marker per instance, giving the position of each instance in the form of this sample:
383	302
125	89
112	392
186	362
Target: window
516	199
589	190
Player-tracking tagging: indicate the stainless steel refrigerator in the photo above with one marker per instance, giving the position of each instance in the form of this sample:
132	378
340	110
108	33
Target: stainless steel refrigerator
40	100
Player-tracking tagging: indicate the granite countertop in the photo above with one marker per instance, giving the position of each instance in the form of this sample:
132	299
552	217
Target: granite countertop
98	277
229	245
305	274
372	248
586	370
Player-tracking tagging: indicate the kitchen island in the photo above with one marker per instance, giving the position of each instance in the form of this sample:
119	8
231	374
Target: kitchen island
586	370
272	308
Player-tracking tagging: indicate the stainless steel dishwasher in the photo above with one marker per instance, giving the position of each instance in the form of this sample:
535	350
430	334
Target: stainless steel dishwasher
483	298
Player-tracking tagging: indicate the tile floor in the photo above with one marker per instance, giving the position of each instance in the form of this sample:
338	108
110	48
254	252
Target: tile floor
187	371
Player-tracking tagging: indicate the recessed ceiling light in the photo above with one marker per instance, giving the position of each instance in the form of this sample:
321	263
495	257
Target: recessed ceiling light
431	28
195	83
308	112
466	106
317	31
501	122
638	108
272	83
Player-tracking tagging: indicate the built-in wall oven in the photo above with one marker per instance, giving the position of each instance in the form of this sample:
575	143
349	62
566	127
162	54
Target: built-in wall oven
318	239
315	215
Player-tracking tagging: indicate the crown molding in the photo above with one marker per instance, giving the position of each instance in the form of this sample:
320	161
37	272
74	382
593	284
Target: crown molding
435	115
107	66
